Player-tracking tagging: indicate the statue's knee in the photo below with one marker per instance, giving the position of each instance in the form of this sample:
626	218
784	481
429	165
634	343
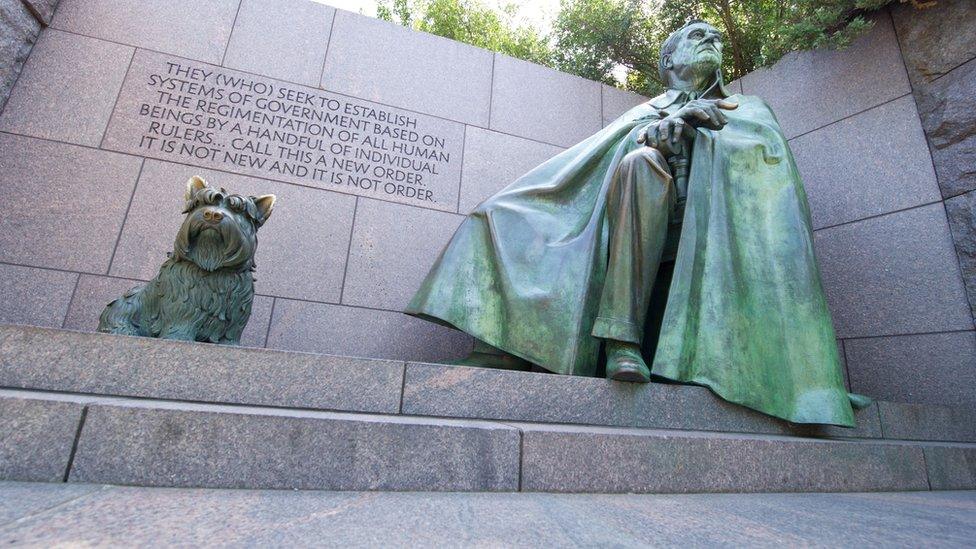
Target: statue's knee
649	157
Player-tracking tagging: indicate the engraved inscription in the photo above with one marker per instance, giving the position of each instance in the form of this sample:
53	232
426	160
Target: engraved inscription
194	113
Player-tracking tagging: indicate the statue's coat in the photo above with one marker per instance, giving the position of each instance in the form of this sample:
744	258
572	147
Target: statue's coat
746	313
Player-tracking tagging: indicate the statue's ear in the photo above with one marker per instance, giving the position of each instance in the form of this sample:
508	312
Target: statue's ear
666	62
194	184
265	203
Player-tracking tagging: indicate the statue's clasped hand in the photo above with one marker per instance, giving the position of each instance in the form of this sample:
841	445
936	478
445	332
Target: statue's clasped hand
668	133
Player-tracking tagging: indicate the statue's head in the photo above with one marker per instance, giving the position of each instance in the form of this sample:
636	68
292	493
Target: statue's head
220	229
692	53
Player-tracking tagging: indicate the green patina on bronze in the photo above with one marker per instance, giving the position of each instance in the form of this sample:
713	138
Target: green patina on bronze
204	291
566	257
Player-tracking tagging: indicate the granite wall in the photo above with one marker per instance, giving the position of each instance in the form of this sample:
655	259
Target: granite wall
92	205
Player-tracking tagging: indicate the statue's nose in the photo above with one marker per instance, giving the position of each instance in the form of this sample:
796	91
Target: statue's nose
213	216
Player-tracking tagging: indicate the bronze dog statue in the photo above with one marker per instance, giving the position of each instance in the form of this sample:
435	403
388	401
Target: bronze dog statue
204	291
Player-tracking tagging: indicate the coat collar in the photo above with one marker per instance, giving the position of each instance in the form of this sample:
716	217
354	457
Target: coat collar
671	97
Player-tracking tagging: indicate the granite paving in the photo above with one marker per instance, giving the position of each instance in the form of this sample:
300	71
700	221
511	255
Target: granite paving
236	518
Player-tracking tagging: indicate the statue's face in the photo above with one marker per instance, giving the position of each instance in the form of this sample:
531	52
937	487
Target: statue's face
699	51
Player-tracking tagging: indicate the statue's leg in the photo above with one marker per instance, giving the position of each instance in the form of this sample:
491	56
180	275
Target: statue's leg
639	203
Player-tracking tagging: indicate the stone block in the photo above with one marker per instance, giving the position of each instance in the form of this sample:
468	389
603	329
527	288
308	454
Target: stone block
67	89
230	447
928	422
923	369
951	468
188	28
18	32
63	205
301	249
612	460
617	101
848	177
34	296
494	160
664	406
36	436
961	211
809	90
253	125
457	391
948	119
930	46
393	247
352	331
894	274
404	68
35	358
95	292
43	10
532	101
484	393
284	39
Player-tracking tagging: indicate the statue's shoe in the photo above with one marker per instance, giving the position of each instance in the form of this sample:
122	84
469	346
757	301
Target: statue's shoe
624	363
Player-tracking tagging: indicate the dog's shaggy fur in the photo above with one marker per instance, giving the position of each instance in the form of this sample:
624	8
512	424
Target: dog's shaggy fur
204	291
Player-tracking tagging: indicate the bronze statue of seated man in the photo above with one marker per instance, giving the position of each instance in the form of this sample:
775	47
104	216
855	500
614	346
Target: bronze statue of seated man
563	263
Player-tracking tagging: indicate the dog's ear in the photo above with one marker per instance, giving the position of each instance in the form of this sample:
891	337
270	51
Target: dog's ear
194	184
264	203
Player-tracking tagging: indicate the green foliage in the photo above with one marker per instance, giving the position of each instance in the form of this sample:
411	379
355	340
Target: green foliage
600	39
471	22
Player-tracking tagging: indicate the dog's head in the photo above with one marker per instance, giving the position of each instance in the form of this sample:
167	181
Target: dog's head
220	229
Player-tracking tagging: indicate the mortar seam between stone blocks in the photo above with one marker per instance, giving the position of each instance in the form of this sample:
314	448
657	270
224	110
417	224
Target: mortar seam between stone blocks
345	269
330	192
71	300
252	73
328	46
230	37
881	422
875	216
128	208
852	115
39	512
118	96
379	309
603	115
940	332
464	145
74	443
267	332
491	88
925	464
521	456
403	387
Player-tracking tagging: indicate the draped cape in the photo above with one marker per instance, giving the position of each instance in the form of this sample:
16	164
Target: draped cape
746	314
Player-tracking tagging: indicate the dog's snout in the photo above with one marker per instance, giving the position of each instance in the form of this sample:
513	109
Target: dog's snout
212	215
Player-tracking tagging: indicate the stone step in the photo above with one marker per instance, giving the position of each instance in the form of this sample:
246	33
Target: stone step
165	443
34	514
101	364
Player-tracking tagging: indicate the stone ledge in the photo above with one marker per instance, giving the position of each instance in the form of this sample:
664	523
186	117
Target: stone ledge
61	360
164	444
455	391
608	460
48	359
